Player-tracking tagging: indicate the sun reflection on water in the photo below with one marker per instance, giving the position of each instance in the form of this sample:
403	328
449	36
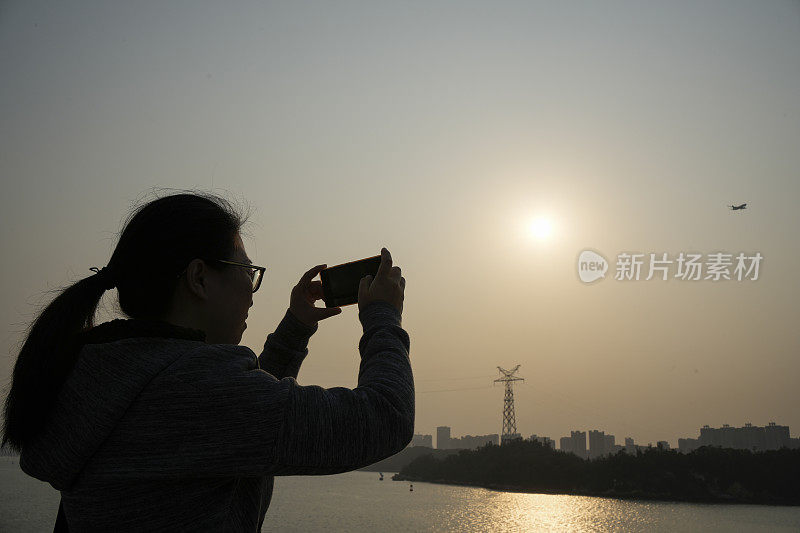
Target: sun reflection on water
486	510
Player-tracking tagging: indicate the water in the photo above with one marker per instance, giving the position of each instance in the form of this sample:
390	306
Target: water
357	501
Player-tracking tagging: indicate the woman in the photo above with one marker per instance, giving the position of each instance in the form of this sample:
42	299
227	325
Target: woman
161	421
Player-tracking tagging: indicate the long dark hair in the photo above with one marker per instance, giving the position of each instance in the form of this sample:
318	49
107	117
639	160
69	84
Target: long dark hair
157	242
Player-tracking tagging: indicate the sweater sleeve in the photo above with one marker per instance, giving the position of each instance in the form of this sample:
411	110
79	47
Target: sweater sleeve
286	348
326	431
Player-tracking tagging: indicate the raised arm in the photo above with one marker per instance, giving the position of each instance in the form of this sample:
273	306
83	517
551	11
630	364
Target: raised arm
326	431
285	349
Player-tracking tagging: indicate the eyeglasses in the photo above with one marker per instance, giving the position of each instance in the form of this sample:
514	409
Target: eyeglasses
256	272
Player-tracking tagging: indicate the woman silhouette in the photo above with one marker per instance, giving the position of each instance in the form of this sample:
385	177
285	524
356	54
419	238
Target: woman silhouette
161	421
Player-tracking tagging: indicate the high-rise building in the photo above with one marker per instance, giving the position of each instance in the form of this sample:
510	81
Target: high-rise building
610	443
579	443
776	437
749	437
443	438
630	446
565	445
597	443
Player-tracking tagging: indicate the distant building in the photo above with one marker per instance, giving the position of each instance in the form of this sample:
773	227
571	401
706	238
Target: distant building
610	444
688	445
579	443
444	441
547	441
565	445
597	443
422	440
630	446
662	445
513	436
776	437
443	438
469	442
748	437
601	444
575	443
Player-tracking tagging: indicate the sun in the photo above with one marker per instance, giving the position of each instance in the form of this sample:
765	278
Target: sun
540	228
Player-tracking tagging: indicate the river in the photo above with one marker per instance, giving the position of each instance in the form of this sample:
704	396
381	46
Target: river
358	501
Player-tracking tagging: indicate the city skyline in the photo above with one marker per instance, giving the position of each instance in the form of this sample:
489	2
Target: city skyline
726	436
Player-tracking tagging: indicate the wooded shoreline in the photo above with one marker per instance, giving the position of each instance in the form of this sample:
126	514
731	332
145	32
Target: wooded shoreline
707	475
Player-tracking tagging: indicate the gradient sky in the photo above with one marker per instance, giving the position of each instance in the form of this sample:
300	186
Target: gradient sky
440	130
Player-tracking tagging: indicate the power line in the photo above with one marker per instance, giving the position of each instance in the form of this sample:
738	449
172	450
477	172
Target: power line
454	379
453	390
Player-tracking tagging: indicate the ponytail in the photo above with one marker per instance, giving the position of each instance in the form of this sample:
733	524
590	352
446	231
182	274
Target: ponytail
47	357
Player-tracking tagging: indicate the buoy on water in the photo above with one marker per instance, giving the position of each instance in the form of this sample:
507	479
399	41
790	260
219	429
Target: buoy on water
411	488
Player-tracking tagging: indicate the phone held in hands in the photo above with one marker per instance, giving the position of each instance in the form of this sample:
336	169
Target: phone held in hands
340	282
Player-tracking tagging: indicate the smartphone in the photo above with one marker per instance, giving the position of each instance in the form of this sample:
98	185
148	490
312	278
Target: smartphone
340	282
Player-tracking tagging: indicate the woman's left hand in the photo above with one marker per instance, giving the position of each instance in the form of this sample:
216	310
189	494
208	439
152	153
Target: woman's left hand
304	294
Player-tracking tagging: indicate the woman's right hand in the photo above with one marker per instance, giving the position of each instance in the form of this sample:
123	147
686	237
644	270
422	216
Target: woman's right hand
388	285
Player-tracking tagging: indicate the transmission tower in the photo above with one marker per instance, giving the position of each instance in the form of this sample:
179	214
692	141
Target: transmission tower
509	420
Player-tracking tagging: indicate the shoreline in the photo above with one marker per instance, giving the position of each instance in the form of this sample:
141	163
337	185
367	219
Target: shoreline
643	497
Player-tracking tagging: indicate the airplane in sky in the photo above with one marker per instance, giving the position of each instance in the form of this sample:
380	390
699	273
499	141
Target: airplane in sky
737	207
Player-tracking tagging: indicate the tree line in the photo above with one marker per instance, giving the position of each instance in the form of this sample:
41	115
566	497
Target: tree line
707	474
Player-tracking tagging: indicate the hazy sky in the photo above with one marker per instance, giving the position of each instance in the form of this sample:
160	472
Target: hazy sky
441	130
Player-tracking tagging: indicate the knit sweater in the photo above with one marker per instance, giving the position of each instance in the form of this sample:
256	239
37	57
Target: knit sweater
156	430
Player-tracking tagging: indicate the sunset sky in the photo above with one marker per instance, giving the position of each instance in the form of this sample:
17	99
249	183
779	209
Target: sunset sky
443	131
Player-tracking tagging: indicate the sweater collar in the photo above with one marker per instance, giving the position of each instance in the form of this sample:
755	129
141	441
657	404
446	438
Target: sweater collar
137	327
